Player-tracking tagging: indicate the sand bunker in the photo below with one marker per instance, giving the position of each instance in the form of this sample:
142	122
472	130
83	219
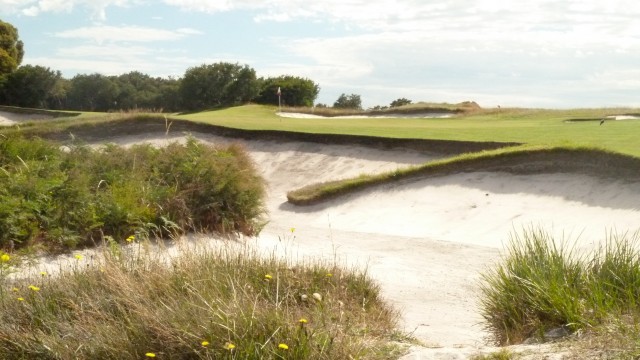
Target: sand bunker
425	241
9	118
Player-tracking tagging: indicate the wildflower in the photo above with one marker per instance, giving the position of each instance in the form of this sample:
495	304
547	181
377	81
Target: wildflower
43	273
34	288
131	238
78	256
283	346
205	343
5	258
268	277
229	346
150	354
302	321
329	274
20	299
292	230
15	289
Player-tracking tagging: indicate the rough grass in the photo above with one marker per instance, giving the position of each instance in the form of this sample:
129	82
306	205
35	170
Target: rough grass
64	198
226	302
544	283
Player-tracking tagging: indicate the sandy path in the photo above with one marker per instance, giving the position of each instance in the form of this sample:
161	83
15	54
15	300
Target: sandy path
426	241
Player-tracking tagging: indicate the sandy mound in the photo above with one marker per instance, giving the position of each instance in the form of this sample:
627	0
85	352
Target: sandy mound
9	118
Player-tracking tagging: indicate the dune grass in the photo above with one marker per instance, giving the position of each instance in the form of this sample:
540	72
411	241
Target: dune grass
199	302
58	198
544	283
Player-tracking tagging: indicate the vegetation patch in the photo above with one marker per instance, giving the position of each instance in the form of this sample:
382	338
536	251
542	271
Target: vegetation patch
543	286
206	303
75	196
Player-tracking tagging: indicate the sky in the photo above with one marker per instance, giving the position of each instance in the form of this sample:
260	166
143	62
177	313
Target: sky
525	53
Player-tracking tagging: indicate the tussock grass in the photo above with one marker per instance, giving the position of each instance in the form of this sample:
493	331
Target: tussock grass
525	159
226	302
543	283
62	199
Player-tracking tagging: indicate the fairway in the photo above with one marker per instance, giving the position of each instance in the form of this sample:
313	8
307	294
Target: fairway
530	126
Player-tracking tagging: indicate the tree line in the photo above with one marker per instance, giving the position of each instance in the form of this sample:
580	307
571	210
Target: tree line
207	86
201	87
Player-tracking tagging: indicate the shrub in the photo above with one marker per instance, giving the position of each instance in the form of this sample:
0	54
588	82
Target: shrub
75	197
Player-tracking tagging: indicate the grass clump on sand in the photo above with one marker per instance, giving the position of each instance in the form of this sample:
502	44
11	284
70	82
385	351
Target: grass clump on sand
225	302
542	284
64	198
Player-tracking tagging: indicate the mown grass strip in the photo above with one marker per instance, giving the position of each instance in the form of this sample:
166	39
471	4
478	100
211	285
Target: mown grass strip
524	159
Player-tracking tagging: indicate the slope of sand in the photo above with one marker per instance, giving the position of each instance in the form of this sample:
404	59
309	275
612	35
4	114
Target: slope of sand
426	241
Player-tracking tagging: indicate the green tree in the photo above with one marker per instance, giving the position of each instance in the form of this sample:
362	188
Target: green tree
219	84
294	91
11	48
351	101
93	92
400	102
30	86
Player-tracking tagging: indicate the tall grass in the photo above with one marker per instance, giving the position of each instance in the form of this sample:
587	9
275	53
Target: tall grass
543	284
227	302
62	199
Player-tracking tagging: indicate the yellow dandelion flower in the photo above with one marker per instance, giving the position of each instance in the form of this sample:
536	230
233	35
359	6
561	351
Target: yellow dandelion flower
78	256
5	258
283	346
34	288
229	346
15	289
302	321
329	274
268	277
43	273
292	230
205	343
150	354
131	238
20	299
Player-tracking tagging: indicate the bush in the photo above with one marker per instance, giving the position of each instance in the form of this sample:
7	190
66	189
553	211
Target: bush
68	198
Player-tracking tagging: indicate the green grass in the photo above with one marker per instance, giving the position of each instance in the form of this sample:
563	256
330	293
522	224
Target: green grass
530	126
206	302
544	283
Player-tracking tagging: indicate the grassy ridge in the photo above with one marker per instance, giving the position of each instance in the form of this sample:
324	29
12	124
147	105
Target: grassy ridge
524	159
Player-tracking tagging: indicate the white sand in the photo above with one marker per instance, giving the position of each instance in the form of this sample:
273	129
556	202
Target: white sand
425	241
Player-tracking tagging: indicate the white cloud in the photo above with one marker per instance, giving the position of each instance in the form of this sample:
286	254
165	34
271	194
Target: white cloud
97	8
104	33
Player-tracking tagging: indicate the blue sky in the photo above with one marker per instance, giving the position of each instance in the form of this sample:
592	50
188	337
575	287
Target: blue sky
526	53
